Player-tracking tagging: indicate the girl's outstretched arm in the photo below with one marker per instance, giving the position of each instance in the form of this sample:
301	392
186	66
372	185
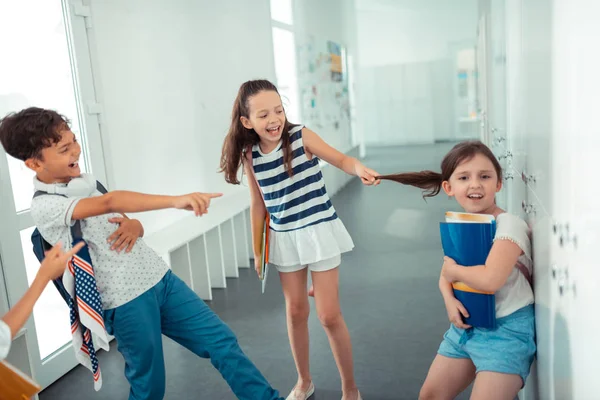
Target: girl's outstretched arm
491	276
350	165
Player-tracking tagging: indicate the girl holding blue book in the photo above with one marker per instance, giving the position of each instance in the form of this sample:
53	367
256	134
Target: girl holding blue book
498	359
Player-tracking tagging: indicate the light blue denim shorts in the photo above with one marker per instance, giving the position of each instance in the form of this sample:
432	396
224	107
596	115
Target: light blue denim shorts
508	349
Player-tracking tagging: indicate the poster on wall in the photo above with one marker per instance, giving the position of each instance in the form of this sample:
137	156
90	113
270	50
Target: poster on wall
323	84
337	70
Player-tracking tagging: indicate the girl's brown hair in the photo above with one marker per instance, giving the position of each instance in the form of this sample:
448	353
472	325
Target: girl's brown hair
239	139
431	182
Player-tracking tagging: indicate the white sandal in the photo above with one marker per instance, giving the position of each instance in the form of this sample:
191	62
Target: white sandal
298	394
358	398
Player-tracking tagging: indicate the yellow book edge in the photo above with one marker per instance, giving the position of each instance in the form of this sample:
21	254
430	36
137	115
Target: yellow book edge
264	247
468	217
464	288
15	385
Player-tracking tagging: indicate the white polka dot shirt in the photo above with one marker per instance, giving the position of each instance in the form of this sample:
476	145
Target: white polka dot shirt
120	277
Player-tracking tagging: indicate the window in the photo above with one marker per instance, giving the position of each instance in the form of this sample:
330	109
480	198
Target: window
284	50
38	72
281	11
43	66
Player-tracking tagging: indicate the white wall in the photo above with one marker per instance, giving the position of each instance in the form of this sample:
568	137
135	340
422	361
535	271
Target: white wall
326	19
168	73
406	87
411	31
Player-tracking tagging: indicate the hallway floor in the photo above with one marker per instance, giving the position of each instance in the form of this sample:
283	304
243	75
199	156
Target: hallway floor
389	295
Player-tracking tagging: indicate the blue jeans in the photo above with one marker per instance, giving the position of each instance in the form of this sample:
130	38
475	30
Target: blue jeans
173	309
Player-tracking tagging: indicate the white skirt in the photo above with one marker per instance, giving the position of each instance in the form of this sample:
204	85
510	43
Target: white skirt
309	245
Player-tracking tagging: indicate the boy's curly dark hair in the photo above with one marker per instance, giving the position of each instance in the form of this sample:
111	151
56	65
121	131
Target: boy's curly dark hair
26	133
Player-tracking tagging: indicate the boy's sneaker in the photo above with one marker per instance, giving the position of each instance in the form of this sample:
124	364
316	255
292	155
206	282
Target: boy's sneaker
298	394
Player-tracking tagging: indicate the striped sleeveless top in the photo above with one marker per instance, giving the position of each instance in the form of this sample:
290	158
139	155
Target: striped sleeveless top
293	202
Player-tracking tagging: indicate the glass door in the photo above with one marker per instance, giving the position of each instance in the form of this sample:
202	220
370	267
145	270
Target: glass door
39	68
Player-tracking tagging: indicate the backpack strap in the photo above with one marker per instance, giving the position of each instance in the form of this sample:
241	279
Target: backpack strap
75	228
521	267
100	187
40	246
76	232
39	193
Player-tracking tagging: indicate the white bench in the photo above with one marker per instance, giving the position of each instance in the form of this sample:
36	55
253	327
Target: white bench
203	251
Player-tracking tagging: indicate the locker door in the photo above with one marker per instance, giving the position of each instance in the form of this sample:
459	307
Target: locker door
581	230
539	180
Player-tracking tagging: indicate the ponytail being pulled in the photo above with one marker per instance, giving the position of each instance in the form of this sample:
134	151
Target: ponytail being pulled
431	182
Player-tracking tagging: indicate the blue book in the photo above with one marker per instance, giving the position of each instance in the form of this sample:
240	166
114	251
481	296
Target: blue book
467	239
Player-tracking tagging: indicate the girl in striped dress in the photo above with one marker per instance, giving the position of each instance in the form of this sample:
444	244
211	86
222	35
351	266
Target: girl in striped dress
281	161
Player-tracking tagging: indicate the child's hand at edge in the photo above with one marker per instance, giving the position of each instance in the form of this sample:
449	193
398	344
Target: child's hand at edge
55	262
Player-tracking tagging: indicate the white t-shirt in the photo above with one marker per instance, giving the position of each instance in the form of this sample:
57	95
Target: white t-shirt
516	292
5	340
120	277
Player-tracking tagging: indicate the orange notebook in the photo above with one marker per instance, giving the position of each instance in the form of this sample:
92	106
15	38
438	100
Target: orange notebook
15	385
264	258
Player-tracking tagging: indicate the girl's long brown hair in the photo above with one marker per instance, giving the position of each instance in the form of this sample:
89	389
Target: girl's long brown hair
431	182
239	139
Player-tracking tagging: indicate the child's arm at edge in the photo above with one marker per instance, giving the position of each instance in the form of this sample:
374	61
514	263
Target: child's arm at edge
126	202
52	266
350	165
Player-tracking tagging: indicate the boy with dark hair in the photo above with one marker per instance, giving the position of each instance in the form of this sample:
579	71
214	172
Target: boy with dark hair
141	297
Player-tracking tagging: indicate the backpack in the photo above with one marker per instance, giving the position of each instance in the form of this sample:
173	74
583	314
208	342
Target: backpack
40	246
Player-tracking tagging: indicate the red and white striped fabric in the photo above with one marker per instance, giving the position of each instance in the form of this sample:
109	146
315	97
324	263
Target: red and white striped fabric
86	313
